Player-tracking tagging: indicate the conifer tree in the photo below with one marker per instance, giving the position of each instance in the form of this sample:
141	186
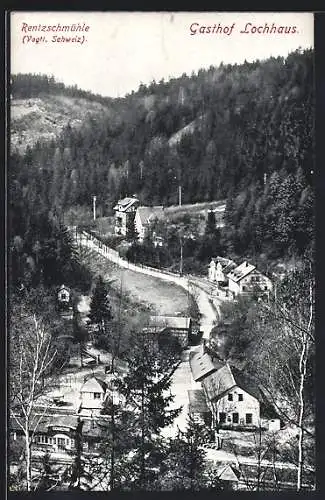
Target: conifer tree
100	310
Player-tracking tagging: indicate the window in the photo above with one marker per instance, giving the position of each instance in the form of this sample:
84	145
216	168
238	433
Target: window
61	443
240	397
41	439
249	418
230	397
96	395
222	418
235	418
244	288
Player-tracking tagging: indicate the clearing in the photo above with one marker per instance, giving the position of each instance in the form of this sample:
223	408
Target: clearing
162	297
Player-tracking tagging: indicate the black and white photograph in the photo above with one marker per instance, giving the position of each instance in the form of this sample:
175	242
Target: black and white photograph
161	252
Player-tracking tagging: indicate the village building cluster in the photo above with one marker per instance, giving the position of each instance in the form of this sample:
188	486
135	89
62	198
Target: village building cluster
235	279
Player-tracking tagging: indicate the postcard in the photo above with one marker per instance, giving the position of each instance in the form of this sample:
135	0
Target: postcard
161	251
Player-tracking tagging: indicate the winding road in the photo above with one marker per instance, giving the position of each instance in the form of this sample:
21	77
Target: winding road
182	380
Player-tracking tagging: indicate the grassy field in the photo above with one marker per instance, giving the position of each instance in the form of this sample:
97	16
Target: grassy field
162	297
196	208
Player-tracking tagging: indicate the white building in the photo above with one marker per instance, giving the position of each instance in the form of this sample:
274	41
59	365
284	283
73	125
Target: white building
232	400
93	394
219	268
124	214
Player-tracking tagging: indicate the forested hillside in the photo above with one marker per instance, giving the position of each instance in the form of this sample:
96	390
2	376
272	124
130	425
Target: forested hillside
241	132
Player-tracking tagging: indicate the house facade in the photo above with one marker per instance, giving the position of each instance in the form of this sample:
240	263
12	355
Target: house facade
247	279
64	298
92	395
125	210
144	217
232	404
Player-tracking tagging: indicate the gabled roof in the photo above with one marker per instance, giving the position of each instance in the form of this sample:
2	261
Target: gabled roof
228	377
162	322
219	382
94	384
197	401
247	383
241	271
148	214
126	203
225	472
64	287
202	365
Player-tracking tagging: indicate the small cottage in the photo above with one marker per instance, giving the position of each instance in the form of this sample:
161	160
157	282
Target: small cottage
93	394
64	297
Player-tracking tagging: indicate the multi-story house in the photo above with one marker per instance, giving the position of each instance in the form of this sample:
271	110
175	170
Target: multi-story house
246	279
233	399
125	210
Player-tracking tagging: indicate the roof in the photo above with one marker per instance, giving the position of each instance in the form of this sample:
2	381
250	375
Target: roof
241	271
47	421
148	214
162	322
202	365
125	204
64	287
94	384
225	472
90	427
197	401
217	383
247	383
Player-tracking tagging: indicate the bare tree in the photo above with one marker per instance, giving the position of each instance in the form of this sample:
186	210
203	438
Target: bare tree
31	360
292	317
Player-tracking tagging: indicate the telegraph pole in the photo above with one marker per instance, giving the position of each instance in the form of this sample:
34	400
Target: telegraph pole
94	206
180	195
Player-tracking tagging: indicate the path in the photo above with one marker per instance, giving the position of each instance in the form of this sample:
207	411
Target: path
182	381
208	313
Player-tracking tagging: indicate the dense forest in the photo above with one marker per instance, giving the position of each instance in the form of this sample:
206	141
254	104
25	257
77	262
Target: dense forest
240	132
26	86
